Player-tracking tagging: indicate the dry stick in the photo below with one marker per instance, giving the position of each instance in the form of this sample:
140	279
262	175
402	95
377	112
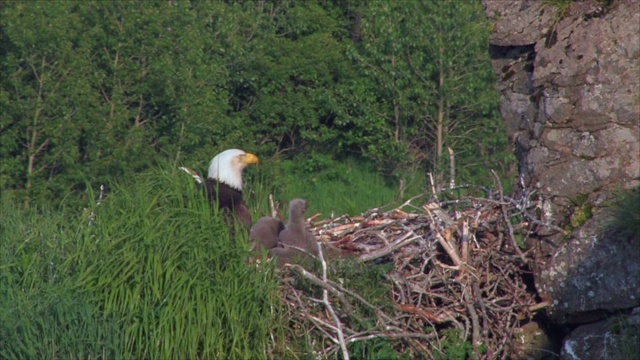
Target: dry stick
465	241
532	219
475	323
274	211
433	188
320	283
315	216
504	342
406	239
447	247
408	202
401	335
485	318
325	298
538	306
319	321
377	310
506	218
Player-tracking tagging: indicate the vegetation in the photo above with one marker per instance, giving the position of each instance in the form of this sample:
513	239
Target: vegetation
98	90
627	213
626	343
347	187
148	273
348	104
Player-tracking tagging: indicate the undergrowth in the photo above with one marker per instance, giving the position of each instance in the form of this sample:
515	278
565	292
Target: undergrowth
151	272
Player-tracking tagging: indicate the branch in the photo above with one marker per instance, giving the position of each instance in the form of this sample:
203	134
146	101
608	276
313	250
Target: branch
506	218
444	243
321	283
325	298
406	239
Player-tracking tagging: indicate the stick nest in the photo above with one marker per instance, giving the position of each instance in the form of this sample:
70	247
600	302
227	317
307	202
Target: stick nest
440	282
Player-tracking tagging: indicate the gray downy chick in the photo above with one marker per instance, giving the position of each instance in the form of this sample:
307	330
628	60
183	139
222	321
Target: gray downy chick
264	233
295	242
296	233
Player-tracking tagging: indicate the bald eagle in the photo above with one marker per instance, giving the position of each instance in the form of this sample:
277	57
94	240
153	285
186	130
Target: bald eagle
224	183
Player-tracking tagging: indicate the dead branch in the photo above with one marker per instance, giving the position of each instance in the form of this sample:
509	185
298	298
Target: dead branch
325	300
506	218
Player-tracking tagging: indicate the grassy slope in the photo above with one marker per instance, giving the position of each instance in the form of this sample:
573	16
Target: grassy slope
149	273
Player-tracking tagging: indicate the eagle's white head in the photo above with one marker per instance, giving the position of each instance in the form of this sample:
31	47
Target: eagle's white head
227	167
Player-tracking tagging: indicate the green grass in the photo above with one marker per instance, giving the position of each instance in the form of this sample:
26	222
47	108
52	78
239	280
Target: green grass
149	273
627	335
627	212
349	187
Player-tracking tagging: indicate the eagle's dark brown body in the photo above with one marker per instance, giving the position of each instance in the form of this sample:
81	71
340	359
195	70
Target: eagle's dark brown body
228	200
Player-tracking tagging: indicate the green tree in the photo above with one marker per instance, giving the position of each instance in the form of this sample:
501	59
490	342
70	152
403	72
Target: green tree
284	83
436	88
95	90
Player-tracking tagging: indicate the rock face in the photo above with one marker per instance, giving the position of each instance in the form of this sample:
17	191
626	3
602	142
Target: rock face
569	82
615	338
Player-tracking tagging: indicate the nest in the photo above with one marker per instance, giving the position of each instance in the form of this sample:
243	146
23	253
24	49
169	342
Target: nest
455	276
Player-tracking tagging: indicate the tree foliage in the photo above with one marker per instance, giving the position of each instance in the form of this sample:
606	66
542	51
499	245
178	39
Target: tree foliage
96	90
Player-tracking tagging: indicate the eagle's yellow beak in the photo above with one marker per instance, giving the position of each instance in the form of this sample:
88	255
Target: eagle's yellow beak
249	159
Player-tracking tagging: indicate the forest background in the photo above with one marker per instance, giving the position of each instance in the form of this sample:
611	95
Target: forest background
97	91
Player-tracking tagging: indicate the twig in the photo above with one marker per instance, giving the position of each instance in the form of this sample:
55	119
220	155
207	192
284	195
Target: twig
274	209
408	202
445	245
321	283
406	239
315	216
465	241
325	298
377	310
433	188
506	219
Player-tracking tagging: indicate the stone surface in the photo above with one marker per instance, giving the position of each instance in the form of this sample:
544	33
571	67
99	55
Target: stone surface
571	105
614	338
518	22
594	273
